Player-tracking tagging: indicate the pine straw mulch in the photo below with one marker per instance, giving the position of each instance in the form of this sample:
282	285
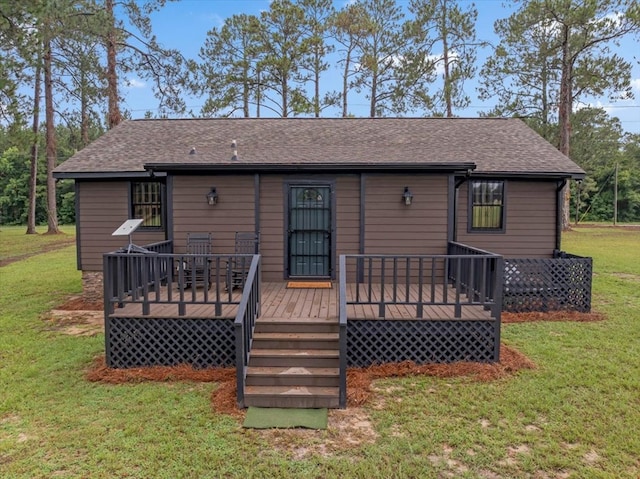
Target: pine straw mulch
359	380
507	318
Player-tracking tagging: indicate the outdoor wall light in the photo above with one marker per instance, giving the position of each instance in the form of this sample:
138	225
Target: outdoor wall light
212	197
407	197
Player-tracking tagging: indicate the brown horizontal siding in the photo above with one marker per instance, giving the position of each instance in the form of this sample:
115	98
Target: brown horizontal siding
391	227
104	206
530	221
347	215
233	212
272	227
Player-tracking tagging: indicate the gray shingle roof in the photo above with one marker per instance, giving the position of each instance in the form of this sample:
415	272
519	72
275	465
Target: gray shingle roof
504	146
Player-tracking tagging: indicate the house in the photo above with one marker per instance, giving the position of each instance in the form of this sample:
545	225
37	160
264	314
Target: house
433	220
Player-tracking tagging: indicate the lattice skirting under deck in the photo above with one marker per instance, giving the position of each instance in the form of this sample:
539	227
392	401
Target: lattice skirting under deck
422	341
137	342
547	285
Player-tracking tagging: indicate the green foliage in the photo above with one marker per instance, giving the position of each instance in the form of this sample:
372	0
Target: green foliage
15	172
598	146
545	41
442	27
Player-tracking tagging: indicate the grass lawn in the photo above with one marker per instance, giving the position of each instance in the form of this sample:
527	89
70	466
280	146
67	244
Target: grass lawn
576	415
15	244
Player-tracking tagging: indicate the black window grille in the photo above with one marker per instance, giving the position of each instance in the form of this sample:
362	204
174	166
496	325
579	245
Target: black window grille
486	205
147	202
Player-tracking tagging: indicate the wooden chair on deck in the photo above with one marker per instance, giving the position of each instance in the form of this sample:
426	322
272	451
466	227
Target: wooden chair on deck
197	270
238	268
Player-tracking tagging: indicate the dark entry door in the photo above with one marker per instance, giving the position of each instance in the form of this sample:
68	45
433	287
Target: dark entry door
309	230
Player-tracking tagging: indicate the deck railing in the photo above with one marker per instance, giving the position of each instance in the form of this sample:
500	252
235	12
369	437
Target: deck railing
248	311
481	280
458	280
439	287
342	334
155	277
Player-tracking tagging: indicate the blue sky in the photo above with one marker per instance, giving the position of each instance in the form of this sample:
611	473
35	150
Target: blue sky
183	25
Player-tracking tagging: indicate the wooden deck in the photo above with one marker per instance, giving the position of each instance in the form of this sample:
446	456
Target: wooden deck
281	302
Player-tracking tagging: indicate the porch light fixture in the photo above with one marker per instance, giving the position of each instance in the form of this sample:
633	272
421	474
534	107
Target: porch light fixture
212	197
407	197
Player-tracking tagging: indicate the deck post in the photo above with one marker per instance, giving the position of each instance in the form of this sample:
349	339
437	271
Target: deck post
457	307
342	338
381	307
497	303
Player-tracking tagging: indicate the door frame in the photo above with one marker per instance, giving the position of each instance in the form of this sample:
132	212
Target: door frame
303	182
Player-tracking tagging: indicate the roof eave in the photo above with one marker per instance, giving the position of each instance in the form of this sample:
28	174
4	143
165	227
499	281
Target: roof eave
310	167
103	175
540	175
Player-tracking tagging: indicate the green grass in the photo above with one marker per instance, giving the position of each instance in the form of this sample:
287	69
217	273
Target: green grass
15	244
576	415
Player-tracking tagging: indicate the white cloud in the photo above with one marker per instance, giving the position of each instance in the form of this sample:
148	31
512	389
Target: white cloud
213	18
438	60
635	84
134	83
597	104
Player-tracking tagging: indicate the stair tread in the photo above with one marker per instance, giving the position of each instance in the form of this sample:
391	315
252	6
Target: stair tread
306	336
292	353
263	319
291	371
291	391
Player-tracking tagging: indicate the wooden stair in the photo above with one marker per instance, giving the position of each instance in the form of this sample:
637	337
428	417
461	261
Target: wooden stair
294	363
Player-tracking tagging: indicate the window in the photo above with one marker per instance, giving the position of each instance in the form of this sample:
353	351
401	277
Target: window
147	203
486	205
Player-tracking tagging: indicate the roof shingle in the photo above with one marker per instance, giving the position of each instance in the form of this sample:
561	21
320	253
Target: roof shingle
501	146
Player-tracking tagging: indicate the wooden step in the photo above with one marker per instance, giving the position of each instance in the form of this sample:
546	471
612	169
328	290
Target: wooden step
292	376
291	396
319	358
296	325
288	340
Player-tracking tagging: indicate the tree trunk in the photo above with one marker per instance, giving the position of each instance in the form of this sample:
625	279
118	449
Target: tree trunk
33	171
345	83
51	150
564	118
285	97
445	58
316	82
84	107
114	115
374	92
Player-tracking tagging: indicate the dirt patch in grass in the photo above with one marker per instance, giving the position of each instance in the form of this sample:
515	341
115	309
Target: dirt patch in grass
77	317
347	429
77	303
551	316
76	323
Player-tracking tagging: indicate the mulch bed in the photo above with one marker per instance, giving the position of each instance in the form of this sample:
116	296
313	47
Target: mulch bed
359	380
551	316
